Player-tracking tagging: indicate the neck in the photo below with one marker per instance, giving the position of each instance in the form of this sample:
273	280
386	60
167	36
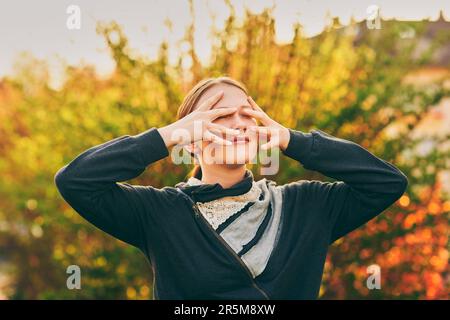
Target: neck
226	176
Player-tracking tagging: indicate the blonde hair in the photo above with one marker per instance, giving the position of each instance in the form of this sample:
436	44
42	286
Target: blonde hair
193	96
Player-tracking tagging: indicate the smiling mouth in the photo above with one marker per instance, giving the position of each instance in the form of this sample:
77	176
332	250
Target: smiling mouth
240	140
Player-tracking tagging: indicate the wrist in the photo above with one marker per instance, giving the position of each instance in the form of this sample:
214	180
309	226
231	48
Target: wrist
285	136
166	135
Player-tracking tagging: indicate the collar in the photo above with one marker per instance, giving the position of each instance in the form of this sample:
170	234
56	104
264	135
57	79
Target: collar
210	191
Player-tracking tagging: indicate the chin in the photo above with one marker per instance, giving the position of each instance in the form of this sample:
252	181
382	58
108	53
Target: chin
239	159
236	162
234	166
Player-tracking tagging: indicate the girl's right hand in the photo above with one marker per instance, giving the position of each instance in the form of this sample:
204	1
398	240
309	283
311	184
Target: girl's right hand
198	125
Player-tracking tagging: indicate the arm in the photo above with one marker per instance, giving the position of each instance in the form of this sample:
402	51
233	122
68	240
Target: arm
90	184
367	184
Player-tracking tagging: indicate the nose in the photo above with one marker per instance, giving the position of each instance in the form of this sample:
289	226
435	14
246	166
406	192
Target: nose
239	123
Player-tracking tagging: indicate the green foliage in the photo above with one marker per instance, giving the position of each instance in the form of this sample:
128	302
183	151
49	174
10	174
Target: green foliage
347	85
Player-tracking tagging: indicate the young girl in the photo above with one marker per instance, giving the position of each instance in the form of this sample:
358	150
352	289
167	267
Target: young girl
221	234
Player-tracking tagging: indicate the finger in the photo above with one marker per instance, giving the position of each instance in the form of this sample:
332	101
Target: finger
209	136
254	104
259	115
262	133
260	129
269	145
223	129
210	102
216	113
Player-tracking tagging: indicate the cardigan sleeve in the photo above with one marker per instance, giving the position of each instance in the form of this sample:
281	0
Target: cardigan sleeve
91	185
366	185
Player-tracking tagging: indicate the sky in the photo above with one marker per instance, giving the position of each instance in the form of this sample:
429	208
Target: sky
40	27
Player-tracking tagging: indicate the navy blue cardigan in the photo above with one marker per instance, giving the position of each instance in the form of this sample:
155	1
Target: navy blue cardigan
189	259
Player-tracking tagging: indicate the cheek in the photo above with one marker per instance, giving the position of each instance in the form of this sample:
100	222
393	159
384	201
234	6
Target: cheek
251	122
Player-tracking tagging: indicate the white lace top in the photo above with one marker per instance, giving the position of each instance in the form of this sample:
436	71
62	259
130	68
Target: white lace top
218	211
254	232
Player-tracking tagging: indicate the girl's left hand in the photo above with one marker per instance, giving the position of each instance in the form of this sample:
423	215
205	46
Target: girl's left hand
277	134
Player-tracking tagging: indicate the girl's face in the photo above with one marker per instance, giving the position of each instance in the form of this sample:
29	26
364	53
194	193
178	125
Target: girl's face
244	149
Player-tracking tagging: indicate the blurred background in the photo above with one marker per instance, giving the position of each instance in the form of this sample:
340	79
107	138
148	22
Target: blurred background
74	74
